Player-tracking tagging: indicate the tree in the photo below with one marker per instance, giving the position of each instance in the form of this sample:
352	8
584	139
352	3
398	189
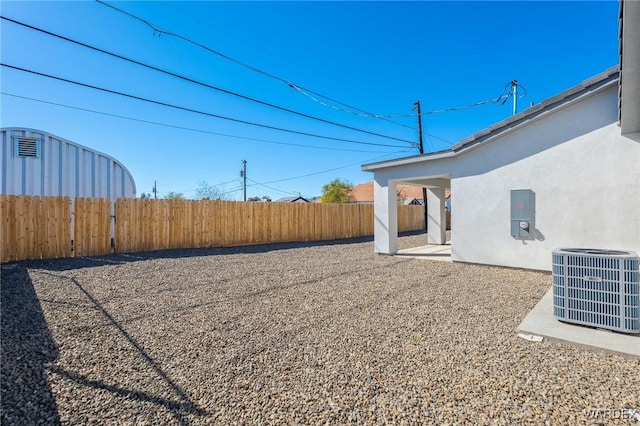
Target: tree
204	191
145	196
337	191
175	196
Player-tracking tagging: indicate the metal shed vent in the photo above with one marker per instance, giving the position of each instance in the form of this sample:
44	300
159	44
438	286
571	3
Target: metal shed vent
28	147
599	288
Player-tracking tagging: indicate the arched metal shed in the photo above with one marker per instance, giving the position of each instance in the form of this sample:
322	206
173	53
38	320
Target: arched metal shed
35	162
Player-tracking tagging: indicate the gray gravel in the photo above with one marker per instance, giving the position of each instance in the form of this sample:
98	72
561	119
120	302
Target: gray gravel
290	334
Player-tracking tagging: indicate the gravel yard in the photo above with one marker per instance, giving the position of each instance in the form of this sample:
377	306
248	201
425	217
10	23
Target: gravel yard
288	334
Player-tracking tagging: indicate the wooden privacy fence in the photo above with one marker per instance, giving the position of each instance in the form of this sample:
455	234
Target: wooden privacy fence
48	227
92	227
34	227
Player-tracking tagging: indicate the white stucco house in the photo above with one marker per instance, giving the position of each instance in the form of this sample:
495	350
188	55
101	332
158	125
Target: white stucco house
574	158
35	162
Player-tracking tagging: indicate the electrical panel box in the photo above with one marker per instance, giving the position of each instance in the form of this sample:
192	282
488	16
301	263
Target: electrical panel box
523	209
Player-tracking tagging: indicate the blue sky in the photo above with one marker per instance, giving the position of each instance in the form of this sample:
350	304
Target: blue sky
379	57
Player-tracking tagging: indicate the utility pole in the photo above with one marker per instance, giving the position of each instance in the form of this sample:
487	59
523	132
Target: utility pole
155	190
420	146
514	88
243	174
421	150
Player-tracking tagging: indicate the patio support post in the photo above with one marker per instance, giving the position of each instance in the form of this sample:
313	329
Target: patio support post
385	212
436	216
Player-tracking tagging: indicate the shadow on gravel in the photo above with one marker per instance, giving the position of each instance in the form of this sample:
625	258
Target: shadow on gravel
179	409
121	258
27	345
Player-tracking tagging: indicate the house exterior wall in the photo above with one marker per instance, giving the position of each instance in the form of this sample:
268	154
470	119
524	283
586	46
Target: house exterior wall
61	168
585	175
587	189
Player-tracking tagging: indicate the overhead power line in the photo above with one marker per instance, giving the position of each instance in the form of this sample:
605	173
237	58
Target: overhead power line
195	111
217	185
202	84
335	168
183	127
502	97
308	92
353	111
157	30
262	48
272	188
239	188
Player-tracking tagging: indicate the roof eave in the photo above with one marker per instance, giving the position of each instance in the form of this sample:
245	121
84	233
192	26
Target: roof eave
406	160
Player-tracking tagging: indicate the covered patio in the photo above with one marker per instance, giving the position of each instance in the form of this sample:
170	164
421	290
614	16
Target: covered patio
385	188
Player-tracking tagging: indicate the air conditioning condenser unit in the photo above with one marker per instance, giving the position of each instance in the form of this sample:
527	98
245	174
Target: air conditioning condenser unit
598	288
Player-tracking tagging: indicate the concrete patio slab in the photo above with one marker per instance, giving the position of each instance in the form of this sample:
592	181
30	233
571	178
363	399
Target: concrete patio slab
541	322
439	252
